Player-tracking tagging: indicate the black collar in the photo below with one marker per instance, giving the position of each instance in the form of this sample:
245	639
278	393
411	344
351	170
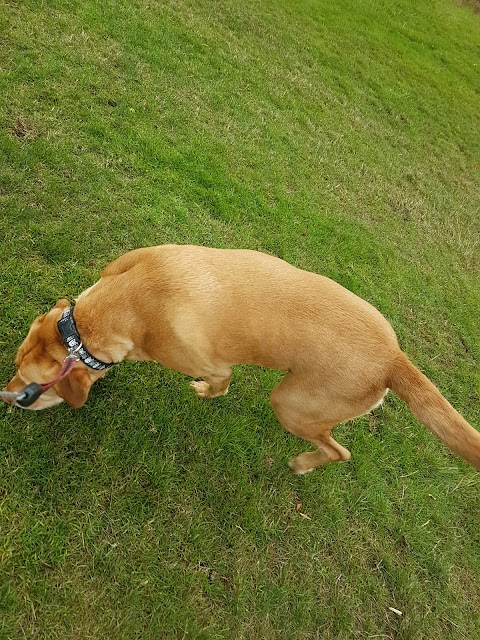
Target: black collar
71	339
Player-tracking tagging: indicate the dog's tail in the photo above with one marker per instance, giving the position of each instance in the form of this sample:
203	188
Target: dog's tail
430	407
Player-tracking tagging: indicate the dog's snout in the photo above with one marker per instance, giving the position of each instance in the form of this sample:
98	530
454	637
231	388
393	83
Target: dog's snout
8	399
10	393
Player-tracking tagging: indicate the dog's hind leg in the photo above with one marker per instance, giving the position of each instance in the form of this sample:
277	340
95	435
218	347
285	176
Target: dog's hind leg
302	412
328	450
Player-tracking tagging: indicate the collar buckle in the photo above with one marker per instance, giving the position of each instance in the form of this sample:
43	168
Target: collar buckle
73	352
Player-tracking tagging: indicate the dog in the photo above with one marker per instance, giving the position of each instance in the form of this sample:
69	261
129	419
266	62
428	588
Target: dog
201	310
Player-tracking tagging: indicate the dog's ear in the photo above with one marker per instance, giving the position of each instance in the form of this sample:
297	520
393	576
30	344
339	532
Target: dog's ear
31	339
74	388
62	304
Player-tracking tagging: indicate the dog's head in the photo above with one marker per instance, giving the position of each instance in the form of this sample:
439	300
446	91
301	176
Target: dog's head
39	359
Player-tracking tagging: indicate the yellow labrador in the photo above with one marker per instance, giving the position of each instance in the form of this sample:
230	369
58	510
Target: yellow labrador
199	311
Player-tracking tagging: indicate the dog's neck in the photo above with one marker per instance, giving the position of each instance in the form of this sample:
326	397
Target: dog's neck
74	344
103	328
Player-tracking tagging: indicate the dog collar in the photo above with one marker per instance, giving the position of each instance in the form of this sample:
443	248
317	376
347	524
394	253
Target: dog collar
71	338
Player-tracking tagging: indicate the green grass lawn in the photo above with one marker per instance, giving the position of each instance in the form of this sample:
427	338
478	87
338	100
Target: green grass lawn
341	136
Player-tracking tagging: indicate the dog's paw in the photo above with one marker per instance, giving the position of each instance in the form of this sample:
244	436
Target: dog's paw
298	466
202	388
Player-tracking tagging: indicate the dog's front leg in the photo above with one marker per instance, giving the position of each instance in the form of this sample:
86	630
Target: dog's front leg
213	384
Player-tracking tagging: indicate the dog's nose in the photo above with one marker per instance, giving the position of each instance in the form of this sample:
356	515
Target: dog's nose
10	397
7	399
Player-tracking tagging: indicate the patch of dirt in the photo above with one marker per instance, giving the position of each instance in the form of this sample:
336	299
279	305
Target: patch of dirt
474	4
25	129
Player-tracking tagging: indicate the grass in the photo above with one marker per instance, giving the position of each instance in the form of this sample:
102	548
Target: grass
340	136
